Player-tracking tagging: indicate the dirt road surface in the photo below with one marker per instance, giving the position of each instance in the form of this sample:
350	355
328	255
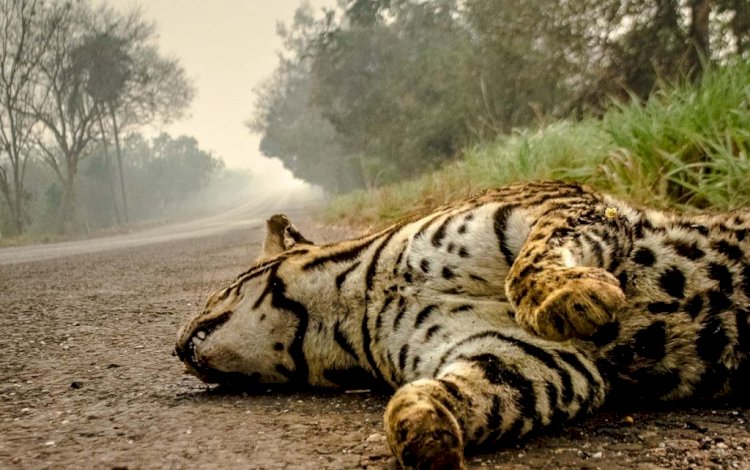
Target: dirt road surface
87	379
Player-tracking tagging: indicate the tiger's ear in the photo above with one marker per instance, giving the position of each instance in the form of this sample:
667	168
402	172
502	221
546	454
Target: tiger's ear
281	235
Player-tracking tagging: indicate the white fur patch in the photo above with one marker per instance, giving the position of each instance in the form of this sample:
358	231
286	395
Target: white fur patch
517	230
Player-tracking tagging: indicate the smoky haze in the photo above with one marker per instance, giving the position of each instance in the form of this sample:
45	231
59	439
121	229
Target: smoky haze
379	91
227	47
129	113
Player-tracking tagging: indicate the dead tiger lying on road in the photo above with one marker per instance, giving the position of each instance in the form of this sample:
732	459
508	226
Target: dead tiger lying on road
492	316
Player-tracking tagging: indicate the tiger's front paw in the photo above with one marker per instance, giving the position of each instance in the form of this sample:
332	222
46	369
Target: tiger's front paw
587	300
422	433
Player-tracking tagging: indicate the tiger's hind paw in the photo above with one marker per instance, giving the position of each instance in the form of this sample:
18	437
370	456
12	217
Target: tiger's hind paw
422	433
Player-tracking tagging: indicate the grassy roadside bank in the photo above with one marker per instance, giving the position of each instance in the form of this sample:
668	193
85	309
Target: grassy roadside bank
686	147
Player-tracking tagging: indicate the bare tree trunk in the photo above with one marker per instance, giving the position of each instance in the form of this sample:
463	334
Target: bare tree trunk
66	212
365	174
18	215
118	151
10	196
23	41
699	47
108	163
12	190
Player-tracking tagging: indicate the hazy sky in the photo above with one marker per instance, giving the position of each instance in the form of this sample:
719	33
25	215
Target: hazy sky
226	47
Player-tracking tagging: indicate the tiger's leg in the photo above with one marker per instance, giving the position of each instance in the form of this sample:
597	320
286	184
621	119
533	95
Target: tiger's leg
480	398
561	283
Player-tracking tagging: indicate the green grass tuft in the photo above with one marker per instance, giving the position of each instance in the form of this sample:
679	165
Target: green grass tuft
687	146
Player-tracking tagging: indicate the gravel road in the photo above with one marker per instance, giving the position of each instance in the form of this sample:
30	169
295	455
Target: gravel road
87	379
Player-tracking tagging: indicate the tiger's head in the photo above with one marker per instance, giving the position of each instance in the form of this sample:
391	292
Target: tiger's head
255	330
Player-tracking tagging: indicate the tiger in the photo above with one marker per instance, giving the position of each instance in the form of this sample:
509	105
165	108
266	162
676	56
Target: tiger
492	317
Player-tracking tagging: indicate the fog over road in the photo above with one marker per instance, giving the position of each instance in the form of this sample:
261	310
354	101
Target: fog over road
251	214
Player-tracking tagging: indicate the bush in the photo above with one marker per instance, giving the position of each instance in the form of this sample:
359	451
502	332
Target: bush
687	147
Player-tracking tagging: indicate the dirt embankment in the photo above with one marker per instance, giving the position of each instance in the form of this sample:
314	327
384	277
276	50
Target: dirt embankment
87	380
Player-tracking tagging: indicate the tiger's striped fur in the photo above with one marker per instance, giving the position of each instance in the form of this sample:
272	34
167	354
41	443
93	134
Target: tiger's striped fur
493	316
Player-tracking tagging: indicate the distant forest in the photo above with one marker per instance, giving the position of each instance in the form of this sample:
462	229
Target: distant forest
375	91
79	85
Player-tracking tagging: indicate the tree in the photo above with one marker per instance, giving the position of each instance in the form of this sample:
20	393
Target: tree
156	90
67	113
398	90
170	169
101	64
130	80
26	27
521	62
396	87
382	88
103	56
630	47
169	178
293	129
729	30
